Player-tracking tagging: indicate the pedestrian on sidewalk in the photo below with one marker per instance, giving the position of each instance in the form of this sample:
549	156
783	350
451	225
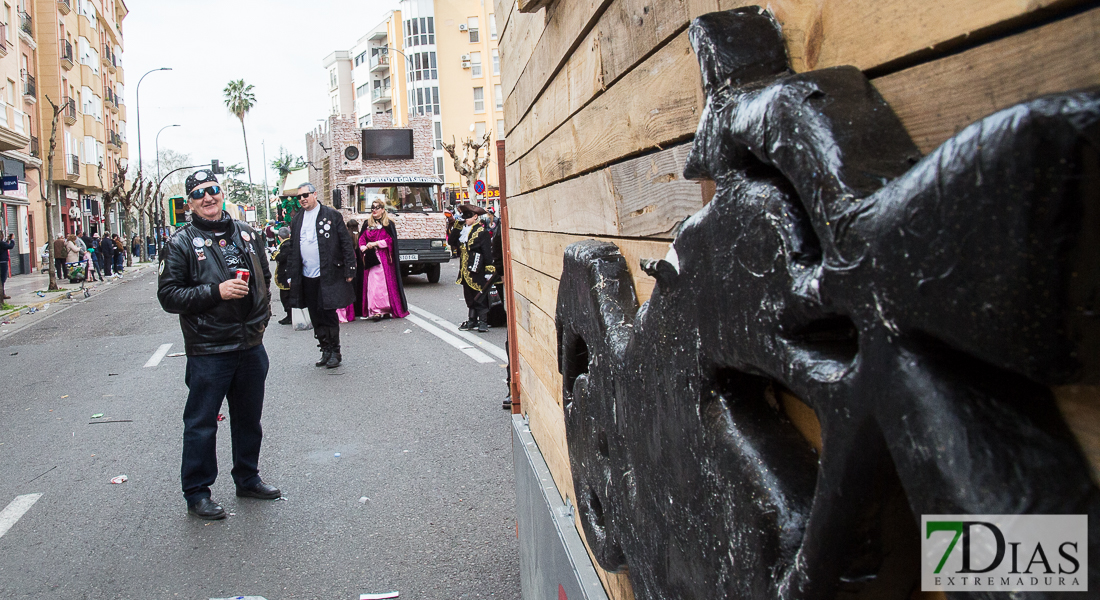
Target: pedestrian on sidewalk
5	261
223	315
106	252
60	254
281	256
321	269
476	270
120	254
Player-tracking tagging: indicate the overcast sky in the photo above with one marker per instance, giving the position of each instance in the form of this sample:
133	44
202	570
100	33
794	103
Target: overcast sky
276	45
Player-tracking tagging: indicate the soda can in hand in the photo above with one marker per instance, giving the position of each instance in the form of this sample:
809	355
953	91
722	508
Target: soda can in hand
243	274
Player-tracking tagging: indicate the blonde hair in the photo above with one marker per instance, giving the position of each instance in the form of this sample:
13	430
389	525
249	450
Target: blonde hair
71	237
384	221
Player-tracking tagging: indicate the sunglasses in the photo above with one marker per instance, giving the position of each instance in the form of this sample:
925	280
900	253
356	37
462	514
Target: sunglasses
377	207
199	193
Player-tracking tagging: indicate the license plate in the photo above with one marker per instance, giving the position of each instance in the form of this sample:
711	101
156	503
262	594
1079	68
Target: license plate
409	257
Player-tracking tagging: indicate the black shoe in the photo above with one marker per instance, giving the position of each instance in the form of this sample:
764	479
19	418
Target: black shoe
507	404
334	360
207	509
260	490
465	326
286	321
482	327
325	356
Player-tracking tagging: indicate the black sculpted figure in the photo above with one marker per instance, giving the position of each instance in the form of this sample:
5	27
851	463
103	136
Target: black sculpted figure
921	307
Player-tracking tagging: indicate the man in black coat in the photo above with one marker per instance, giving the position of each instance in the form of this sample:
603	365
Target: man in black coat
475	273
106	251
214	275
321	268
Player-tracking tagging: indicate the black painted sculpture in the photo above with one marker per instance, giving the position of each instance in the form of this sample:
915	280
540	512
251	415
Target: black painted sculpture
920	307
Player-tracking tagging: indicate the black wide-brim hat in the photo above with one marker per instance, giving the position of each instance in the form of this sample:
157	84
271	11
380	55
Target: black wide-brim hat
468	210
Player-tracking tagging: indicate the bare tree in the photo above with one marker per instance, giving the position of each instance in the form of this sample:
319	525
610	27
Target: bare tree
125	199
469	166
50	193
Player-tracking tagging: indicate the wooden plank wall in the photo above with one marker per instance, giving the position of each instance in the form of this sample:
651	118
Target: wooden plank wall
603	98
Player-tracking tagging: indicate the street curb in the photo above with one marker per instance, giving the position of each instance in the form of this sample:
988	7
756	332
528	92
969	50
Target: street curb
11	315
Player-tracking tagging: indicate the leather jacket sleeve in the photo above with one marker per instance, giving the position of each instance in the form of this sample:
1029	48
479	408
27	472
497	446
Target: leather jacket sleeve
176	291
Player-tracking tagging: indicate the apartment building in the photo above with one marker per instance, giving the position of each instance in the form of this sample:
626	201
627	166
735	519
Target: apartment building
432	59
80	70
19	139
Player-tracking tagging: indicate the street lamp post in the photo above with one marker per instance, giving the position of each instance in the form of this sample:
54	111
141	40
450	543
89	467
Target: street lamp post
408	79
157	146
137	101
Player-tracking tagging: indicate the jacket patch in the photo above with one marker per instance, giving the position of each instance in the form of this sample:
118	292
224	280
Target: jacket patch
200	253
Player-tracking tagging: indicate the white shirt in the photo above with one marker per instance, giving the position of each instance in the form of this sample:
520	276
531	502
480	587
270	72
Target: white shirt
465	235
311	257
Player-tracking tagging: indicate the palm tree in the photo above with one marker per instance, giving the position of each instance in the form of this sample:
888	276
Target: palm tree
240	99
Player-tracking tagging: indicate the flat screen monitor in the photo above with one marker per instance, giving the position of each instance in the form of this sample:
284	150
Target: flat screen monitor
387	144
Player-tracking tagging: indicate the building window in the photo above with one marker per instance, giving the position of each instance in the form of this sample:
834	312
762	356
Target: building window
479	99
492	27
496	61
420	31
438	135
471	26
332	78
475	65
439	167
498	92
500	129
362	58
362	90
425	100
479	130
424	67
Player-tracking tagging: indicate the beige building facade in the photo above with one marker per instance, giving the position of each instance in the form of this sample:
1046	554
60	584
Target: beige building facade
80	70
433	59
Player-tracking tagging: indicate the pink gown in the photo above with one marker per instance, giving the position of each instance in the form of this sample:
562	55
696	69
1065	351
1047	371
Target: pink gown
380	281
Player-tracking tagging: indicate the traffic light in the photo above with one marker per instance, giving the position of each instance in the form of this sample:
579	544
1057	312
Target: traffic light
215	168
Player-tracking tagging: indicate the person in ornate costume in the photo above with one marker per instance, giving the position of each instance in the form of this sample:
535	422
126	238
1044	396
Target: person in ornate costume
476	270
383	292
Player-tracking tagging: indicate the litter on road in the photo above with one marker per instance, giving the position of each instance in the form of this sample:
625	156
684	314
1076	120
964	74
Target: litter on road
378	596
95	416
120	479
175	354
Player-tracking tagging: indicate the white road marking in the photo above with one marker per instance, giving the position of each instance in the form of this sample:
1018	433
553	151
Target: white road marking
14	511
452	340
158	355
477	341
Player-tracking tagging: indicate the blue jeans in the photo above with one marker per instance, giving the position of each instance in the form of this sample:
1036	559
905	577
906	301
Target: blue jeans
238	377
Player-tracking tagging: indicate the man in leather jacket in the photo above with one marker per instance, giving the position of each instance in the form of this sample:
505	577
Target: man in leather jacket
223	315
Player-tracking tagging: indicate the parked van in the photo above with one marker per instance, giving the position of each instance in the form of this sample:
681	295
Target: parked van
413	203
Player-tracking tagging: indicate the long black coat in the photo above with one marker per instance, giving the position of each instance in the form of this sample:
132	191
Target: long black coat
337	252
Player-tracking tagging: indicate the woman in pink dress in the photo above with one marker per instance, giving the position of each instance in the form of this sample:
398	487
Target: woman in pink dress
383	293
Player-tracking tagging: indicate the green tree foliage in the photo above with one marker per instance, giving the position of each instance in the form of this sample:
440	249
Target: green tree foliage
239	99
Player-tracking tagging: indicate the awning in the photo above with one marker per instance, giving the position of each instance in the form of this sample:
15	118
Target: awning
293	180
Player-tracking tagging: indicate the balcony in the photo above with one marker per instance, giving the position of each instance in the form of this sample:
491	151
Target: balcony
379	62
105	56
26	25
72	167
64	6
30	92
3	39
68	111
109	100
12	128
380	95
114	141
66	55
35	151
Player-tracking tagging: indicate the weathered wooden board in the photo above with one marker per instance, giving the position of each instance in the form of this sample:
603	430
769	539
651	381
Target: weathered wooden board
517	42
502	11
653	106
542	358
937	99
864	33
547	426
543	252
641	197
626	32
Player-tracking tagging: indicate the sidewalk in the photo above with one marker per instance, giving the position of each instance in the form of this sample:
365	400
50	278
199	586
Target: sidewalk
29	291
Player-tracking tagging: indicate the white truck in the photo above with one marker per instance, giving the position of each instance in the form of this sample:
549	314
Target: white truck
413	204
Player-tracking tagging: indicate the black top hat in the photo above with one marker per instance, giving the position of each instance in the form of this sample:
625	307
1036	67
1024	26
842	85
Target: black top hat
469	210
